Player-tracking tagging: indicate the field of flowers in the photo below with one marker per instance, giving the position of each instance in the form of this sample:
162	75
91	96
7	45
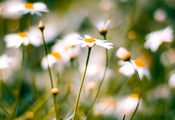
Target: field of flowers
87	60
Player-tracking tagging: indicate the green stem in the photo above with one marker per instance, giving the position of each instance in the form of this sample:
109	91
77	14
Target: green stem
51	80
100	83
6	111
1	87
124	117
137	74
81	85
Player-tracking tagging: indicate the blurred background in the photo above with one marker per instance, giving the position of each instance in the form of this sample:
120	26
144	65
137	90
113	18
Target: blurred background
131	22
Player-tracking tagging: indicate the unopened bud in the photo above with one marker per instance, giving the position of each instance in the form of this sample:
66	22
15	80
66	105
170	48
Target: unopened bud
103	32
123	54
55	91
41	25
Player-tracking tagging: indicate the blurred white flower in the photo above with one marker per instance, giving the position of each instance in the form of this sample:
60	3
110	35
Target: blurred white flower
128	70
158	92
171	82
96	71
107	107
6	9
160	15
90	42
4	61
102	26
32	8
51	59
167	57
154	39
65	49
91	85
127	105
67	46
123	54
15	40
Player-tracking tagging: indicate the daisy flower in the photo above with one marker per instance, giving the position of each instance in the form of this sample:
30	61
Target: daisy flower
127	105
52	58
102	26
15	40
128	70
90	42
32	8
155	39
67	46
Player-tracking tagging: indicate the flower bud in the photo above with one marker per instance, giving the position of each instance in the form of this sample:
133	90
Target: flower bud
55	91
41	25
123	54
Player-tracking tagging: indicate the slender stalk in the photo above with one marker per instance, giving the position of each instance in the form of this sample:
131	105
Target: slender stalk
6	111
81	85
124	117
35	91
137	74
19	84
100	83
1	85
51	80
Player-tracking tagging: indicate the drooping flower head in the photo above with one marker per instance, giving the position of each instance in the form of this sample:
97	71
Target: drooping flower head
87	41
123	54
155	39
32	8
102	26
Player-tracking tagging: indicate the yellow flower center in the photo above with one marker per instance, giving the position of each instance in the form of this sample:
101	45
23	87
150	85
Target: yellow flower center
139	63
89	40
56	55
29	6
134	95
22	34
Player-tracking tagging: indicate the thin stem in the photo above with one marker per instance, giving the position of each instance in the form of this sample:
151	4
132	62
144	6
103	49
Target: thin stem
137	74
124	117
81	85
6	111
100	83
19	84
35	91
1	85
51	80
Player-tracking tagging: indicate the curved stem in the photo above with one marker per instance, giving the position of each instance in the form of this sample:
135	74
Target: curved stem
137	74
106	66
51	80
81	85
6	111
